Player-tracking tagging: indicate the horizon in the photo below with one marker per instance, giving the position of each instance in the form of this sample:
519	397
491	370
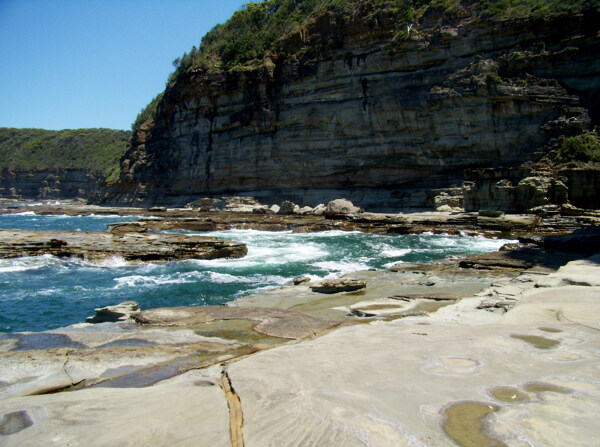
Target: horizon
94	64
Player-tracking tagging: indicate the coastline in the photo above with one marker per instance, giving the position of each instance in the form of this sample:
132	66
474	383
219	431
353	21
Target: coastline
422	340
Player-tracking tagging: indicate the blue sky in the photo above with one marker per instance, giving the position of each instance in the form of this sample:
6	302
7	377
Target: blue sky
68	64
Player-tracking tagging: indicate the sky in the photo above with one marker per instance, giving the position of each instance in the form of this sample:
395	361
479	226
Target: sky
70	64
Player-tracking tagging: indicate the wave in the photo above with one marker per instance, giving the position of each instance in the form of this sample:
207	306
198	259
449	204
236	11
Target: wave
395	252
27	263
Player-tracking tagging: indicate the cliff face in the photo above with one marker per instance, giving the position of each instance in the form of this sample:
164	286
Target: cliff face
376	120
50	185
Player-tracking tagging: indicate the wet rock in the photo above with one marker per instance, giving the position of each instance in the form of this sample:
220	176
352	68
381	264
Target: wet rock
274	322
119	312
121	228
378	308
14	422
339	285
157	209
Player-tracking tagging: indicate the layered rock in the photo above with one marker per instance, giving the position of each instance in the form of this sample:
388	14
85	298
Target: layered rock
130	246
378	120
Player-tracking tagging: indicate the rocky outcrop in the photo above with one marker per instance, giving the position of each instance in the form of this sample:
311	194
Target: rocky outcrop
48	185
522	189
377	119
130	246
339	285
118	312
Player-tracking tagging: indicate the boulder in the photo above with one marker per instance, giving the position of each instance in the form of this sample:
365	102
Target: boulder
300	279
341	206
319	210
287	207
339	285
119	312
305	210
449	202
157	209
275	209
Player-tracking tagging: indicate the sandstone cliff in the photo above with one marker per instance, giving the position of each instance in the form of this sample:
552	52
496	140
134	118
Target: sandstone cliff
376	118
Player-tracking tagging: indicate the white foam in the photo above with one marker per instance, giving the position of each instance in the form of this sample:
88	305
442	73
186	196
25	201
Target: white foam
337	268
395	252
24	213
27	263
149	281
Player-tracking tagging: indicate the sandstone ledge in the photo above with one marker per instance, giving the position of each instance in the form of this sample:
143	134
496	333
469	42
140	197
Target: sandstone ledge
131	247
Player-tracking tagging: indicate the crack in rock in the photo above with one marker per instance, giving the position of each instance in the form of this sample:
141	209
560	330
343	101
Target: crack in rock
236	416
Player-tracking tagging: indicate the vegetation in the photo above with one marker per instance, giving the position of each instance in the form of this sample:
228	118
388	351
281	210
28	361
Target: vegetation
584	147
256	34
148	112
93	150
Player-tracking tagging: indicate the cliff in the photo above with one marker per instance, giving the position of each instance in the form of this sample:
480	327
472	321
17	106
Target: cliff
66	164
381	116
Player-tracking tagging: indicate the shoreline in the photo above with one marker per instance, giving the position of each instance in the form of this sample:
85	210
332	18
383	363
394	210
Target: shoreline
461	333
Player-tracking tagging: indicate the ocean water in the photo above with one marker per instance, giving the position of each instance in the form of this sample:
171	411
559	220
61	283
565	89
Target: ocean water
45	292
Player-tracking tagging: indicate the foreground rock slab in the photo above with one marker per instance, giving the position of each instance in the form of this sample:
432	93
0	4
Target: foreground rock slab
525	377
130	246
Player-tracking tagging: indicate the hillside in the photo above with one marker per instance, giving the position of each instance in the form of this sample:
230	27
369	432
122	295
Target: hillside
61	163
386	102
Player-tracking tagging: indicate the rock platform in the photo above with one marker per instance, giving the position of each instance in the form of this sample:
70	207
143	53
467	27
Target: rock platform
94	246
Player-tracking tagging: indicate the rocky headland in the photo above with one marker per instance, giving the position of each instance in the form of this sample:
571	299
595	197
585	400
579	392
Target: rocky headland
455	103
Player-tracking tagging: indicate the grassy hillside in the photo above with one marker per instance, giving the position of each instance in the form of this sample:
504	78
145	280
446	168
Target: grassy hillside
256	34
96	150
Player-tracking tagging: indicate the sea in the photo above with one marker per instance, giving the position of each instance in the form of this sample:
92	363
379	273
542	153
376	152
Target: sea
45	292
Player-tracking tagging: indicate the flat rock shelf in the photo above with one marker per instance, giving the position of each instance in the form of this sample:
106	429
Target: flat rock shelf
93	246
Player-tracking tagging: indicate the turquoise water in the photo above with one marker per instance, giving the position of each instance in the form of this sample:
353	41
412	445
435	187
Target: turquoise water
44	292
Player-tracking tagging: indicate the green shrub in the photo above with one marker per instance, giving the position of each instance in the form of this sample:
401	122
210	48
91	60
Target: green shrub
584	147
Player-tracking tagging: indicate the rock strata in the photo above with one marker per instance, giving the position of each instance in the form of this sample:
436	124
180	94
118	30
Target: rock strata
95	246
386	119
